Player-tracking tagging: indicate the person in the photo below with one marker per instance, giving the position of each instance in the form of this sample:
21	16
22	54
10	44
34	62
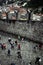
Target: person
19	54
30	63
40	46
8	51
35	48
19	47
16	42
0	37
40	60
29	13
37	61
7	15
22	39
2	46
12	46
19	38
9	39
12	63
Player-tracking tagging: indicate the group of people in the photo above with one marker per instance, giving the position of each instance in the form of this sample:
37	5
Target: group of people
37	47
3	46
12	47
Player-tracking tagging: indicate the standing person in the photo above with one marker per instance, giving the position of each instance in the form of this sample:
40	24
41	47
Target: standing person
9	52
35	48
22	39
19	47
2	46
19	37
19	54
29	15
16	42
40	46
0	37
12	63
30	63
37	61
12	46
7	14
9	39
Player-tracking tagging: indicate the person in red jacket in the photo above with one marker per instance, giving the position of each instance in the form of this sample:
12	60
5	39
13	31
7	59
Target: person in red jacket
40	46
4	45
19	47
